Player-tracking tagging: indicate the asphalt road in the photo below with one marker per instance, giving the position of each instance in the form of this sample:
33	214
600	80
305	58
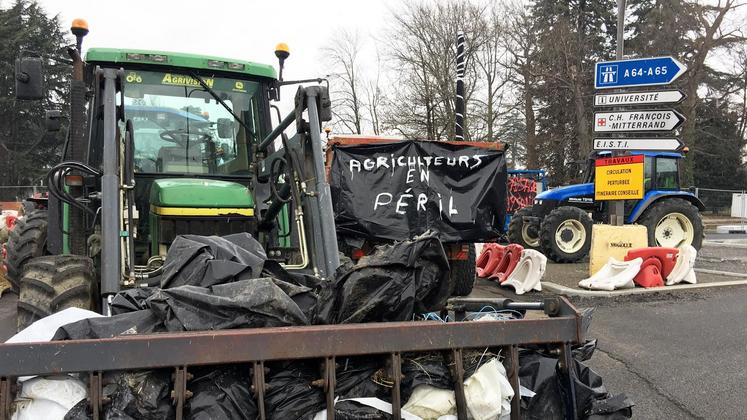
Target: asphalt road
682	357
678	356
728	236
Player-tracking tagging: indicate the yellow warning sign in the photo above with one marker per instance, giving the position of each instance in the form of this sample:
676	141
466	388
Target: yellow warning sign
619	178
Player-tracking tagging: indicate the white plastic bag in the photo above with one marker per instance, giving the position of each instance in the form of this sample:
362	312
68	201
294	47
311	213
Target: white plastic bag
488	392
48	398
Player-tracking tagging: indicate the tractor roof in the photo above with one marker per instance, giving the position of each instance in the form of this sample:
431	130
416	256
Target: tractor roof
175	59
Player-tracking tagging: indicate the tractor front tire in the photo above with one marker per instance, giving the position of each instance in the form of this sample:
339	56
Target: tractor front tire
523	233
27	240
463	273
673	223
565	234
52	283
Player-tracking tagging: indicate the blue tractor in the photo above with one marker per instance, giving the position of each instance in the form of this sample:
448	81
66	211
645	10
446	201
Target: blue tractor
559	222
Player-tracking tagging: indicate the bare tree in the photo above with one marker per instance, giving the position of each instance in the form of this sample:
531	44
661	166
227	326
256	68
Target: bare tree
421	52
709	36
375	98
490	63
346	80
521	43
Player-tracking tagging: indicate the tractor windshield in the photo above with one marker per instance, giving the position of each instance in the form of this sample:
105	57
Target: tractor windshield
179	127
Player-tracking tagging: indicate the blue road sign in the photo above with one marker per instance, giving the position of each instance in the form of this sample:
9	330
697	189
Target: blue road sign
637	72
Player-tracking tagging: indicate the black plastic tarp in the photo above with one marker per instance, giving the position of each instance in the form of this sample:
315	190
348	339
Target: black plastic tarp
221	392
392	284
541	374
208	260
398	190
248	303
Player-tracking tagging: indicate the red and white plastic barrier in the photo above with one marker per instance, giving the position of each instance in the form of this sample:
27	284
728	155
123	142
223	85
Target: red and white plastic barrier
512	265
645	267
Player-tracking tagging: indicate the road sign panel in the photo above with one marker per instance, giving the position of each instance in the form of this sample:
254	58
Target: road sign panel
663	144
619	178
637	72
639	98
648	120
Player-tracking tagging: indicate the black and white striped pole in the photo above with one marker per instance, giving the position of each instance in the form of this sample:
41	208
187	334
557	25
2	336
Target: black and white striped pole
459	101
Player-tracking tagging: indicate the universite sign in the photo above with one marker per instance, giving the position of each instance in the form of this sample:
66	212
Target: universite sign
639	98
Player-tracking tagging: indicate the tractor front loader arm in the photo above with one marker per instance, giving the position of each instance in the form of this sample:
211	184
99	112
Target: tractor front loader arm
305	158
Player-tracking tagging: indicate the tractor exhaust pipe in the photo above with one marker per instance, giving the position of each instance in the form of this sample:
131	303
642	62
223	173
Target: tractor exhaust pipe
459	100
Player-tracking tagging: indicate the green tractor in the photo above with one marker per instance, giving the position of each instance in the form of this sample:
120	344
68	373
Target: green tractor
162	144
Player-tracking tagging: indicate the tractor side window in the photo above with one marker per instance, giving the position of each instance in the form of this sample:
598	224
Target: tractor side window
666	174
648	173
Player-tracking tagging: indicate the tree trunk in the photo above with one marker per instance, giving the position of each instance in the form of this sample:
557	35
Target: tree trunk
582	124
688	130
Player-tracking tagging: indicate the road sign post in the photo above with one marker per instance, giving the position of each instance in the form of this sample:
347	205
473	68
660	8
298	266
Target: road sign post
616	209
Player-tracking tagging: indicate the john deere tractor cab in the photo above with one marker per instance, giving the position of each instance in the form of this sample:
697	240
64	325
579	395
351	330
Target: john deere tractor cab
164	144
559	222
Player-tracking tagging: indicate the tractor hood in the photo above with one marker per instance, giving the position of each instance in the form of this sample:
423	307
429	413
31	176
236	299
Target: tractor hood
569	191
199	193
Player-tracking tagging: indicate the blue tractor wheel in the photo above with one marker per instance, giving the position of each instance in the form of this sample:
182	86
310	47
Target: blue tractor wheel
565	234
673	223
524	233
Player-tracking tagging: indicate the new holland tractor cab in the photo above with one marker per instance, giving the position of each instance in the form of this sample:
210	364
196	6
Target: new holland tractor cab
162	144
559	222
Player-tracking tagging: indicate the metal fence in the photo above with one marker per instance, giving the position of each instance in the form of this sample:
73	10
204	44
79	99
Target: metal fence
17	193
724	203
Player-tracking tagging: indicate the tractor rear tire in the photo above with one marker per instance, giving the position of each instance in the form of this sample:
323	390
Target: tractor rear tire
565	234
52	283
27	240
519	231
463	273
683	215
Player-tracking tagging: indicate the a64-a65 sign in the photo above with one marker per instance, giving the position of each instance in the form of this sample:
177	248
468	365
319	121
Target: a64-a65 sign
637	72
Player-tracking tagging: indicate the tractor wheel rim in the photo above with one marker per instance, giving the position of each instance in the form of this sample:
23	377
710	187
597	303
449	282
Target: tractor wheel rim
576	241
674	230
530	240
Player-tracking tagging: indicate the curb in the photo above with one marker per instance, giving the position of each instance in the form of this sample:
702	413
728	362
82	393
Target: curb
724	244
567	291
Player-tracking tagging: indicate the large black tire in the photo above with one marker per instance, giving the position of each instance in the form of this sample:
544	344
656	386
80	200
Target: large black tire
665	208
463	273
27	240
574	227
520	232
52	283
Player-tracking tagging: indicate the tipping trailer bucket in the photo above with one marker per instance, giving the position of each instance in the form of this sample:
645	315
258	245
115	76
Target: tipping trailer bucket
561	326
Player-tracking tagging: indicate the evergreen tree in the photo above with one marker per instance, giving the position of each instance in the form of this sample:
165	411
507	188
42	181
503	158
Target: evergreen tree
718	154
572	36
691	31
26	150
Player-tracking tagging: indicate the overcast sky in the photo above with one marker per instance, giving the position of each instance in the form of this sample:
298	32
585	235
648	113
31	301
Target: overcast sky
247	29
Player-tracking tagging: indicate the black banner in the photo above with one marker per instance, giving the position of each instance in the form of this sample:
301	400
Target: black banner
399	190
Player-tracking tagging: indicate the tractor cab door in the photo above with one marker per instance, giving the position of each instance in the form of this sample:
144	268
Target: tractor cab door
666	174
660	173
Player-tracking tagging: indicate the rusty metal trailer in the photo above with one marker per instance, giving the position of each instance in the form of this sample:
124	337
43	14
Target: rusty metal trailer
559	327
